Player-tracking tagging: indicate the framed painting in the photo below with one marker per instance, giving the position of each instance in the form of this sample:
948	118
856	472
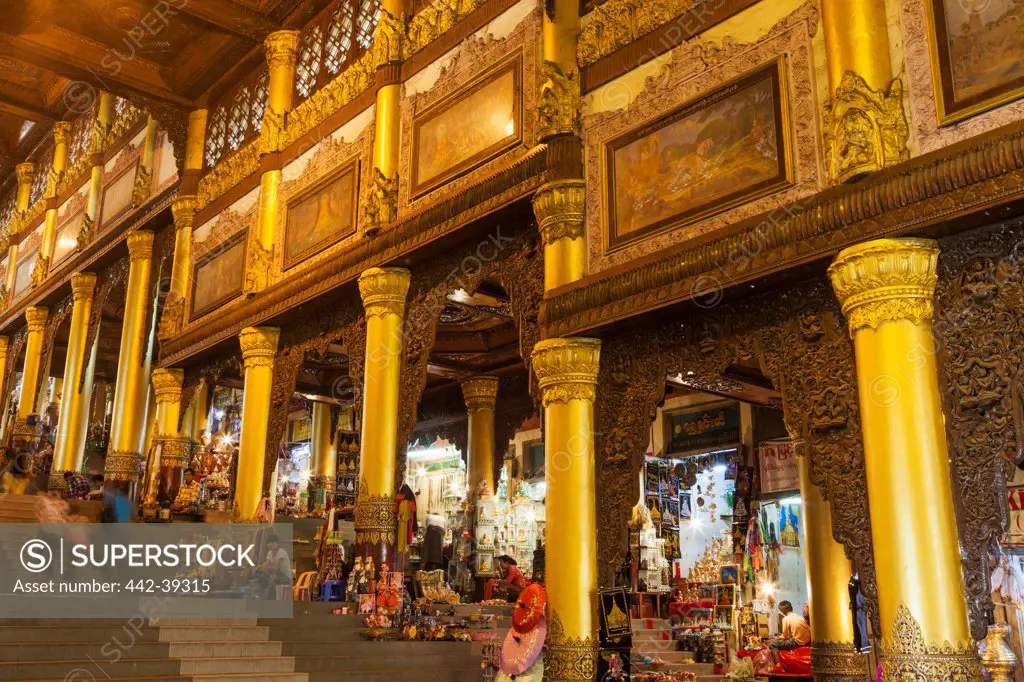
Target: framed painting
725	595
66	240
534	458
23	272
117	195
321	215
469	128
977	55
703	158
217	276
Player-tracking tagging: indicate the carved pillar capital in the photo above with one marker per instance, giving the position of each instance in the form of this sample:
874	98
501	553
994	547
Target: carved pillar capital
559	207
480	393
25	172
184	210
384	291
567	369
837	662
83	284
167	384
61	132
281	48
259	346
36	317
558	106
886	280
140	245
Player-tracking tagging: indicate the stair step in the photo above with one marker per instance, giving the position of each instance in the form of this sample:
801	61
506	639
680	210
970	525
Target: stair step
198	633
234	666
75	634
388	660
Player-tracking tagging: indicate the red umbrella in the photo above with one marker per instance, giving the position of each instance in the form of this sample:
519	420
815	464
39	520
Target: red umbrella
529	608
519	651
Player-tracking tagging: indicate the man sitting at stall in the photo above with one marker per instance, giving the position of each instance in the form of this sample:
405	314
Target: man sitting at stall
187	493
77	485
795	631
512	580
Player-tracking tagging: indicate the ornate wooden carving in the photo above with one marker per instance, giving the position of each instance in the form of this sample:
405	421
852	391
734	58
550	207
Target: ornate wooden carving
980	336
800	340
14	349
111	281
56	319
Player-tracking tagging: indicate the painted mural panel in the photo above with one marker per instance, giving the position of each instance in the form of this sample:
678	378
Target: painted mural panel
117	195
469	128
700	159
66	240
979	49
23	275
218	276
321	216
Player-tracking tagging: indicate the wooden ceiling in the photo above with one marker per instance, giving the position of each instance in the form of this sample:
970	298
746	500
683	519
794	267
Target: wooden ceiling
55	55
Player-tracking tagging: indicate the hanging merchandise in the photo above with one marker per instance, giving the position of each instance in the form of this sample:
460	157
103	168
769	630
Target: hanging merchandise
753	557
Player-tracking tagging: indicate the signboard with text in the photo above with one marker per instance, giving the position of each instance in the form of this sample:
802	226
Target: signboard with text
692	430
779	469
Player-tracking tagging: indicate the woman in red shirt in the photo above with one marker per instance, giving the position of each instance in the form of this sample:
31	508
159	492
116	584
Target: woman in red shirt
512	579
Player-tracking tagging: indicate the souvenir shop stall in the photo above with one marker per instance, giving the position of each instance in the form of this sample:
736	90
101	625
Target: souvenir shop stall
215	456
509	523
294	469
347	483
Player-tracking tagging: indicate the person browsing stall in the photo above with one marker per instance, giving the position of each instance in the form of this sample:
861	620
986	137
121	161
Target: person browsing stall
795	631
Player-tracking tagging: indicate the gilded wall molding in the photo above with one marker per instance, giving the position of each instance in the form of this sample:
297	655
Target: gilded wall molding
616	23
434	20
474	56
558	105
329	99
375	519
228	173
837	662
690	72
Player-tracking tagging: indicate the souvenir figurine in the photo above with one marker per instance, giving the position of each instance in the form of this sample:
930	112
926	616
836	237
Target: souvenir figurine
363	578
387	597
350	584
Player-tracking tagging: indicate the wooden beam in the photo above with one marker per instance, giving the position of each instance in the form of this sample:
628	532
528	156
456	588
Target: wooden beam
229	16
9	104
90	63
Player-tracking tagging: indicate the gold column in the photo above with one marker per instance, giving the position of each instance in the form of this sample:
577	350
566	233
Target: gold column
61	134
321	445
144	174
381	206
559	206
25	173
131	389
259	347
97	139
383	291
174	449
833	656
480	394
281	48
4	341
887	288
202	410
35	317
74	405
172	316
864	124
195	143
566	372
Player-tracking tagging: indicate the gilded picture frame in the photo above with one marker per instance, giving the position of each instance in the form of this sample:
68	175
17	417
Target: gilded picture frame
434	114
107	220
949	50
214	253
75	219
766	146
323	183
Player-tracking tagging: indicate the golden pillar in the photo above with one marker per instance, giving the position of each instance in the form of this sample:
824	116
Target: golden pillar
61	133
559	206
381	206
174	448
886	288
131	390
172	316
97	140
566	372
144	174
259	347
35	317
864	124
383	291
195	143
25	172
281	48
833	656
480	394
321	445
70	445
4	343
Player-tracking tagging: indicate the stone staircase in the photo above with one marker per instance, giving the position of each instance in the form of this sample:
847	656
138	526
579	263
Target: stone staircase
328	648
652	639
18	509
166	650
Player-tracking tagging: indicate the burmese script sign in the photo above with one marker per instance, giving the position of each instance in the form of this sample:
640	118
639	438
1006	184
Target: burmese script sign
779	469
703	428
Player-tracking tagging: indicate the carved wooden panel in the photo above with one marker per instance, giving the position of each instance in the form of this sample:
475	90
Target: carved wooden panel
800	340
980	336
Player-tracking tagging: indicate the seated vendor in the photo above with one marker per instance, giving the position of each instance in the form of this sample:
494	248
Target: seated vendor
511	578
795	631
187	493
